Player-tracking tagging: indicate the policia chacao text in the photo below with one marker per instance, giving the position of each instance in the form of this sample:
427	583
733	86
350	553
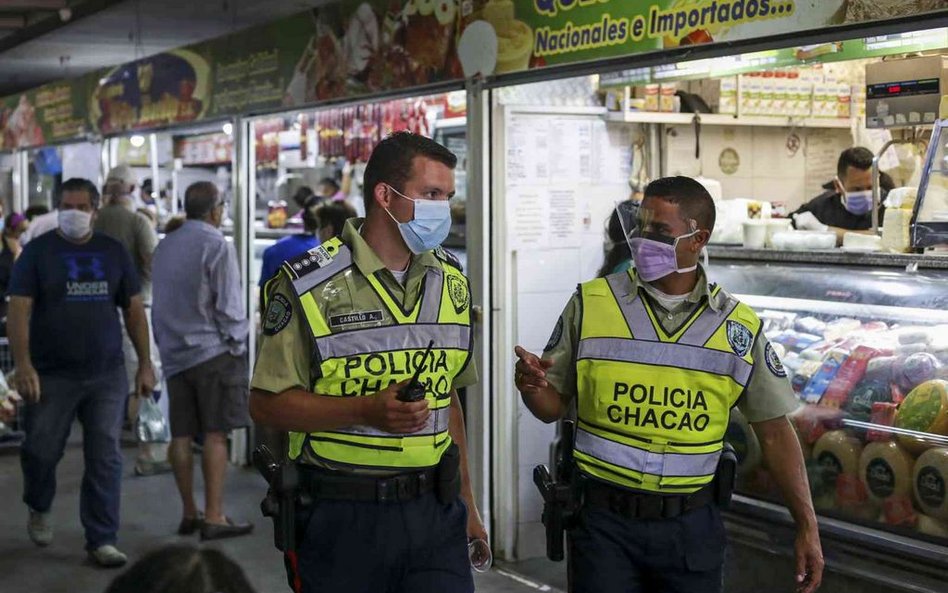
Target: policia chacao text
655	358
383	501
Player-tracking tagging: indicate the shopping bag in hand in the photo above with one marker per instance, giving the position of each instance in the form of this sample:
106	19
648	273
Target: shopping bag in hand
152	425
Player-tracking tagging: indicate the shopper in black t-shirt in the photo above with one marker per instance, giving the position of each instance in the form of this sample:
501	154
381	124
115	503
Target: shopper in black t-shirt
846	205
65	293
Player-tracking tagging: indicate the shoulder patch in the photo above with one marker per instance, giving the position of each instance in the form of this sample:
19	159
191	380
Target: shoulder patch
556	336
739	337
773	361
279	313
458	292
447	257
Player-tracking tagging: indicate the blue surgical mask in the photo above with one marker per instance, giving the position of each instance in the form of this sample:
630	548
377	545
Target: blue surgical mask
857	202
430	226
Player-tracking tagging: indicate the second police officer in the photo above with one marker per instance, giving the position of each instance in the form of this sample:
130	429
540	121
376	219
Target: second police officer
346	326
654	359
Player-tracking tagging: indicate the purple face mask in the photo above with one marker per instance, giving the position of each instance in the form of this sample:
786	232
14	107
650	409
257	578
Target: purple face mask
655	256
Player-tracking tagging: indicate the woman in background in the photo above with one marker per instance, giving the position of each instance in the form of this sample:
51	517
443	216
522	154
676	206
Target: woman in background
619	256
14	226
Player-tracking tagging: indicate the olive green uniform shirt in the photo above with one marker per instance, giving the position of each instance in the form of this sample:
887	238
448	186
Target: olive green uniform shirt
285	356
768	395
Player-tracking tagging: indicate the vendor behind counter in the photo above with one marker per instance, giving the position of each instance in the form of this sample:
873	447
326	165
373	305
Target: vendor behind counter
846	205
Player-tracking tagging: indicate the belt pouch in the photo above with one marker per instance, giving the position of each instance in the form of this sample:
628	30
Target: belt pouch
449	475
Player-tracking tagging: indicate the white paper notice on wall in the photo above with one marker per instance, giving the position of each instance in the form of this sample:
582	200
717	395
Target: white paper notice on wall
528	152
565	225
612	153
571	151
528	218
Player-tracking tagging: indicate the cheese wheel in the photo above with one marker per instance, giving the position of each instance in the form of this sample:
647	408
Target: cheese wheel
886	470
741	436
929	481
837	453
930	526
924	410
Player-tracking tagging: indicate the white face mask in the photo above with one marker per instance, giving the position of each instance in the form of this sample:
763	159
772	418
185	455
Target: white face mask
75	224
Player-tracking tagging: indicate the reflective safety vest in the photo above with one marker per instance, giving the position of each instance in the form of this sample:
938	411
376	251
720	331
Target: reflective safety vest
364	360
654	406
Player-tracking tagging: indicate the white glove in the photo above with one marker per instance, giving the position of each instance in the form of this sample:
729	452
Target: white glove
806	221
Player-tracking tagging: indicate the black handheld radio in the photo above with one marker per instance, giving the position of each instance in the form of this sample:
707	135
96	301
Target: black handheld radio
415	390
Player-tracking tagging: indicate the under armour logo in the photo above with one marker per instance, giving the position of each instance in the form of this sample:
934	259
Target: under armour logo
84	267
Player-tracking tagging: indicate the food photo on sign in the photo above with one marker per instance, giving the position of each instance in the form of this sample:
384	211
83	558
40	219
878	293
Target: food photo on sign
168	88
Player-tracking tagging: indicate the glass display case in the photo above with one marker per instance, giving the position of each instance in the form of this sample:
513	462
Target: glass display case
930	217
863	340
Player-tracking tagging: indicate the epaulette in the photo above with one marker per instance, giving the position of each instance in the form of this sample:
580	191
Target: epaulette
447	257
317	265
308	261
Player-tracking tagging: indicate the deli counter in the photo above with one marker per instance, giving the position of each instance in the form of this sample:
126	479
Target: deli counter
863	339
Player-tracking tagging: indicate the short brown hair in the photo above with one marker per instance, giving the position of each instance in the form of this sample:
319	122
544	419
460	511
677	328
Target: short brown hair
391	161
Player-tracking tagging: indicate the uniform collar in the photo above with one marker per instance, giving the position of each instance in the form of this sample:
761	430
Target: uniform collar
366	259
702	290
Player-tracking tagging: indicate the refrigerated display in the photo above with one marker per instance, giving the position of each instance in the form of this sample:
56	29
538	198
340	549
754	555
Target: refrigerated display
930	218
863	340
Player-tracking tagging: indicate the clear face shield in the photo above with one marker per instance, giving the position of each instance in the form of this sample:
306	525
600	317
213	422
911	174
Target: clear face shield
655	251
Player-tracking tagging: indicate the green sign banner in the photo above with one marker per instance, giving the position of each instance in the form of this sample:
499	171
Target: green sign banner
50	113
357	48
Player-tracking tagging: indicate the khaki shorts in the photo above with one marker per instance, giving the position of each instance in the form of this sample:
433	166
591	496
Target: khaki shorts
210	397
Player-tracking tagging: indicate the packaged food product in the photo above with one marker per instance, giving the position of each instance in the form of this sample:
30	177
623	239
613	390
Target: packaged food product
915	335
818	384
276	214
882	415
863	396
840	328
794	340
915	369
929	481
880	368
925	410
810	325
886	470
849	374
838	454
806	370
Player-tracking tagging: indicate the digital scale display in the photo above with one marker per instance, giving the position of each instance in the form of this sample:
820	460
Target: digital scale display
908	88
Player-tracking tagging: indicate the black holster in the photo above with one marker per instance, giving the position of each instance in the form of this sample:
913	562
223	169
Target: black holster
448	486
561	497
725	477
280	502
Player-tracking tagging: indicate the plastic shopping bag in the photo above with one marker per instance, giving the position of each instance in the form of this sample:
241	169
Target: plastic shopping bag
152	426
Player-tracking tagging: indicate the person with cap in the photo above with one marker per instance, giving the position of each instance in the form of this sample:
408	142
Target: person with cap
347	326
65	296
654	359
119	219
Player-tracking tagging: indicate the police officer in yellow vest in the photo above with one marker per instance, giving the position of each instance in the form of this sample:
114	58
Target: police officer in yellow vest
655	358
346	326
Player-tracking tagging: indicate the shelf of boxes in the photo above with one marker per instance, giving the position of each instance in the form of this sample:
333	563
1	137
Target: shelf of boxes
724	119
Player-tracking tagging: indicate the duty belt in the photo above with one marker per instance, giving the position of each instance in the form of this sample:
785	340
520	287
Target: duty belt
329	485
644	505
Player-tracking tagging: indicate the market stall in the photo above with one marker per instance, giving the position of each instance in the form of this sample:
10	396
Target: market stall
762	130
